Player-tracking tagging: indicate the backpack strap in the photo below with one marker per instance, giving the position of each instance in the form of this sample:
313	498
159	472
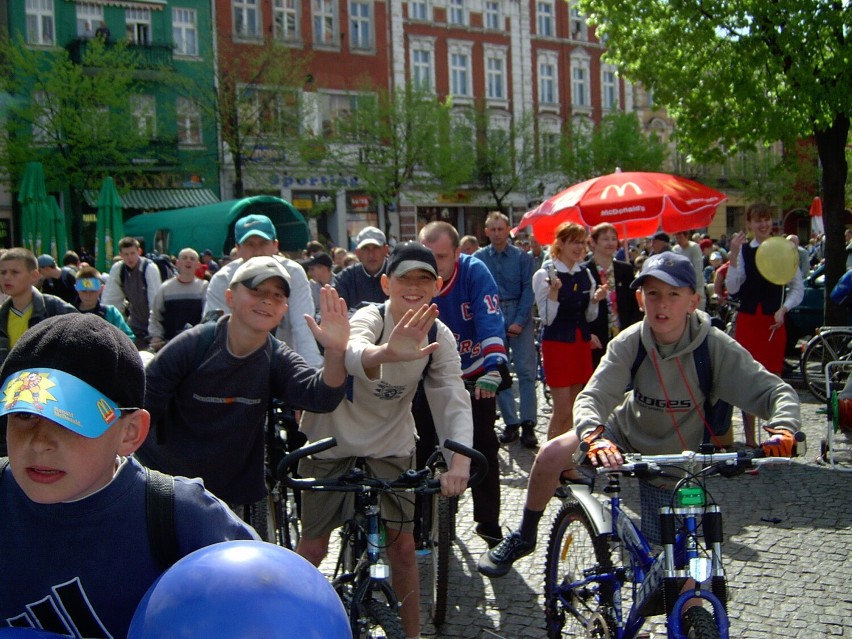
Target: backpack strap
640	357
123	273
205	341
704	368
160	517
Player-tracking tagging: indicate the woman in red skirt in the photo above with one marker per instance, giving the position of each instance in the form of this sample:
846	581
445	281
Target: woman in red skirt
567	298
763	305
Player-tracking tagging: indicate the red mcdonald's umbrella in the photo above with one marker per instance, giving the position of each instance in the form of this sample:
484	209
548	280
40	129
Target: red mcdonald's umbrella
637	203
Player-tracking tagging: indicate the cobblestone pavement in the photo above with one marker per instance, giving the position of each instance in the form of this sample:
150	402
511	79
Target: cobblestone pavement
788	535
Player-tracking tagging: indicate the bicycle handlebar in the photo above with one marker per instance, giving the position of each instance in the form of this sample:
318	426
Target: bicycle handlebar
637	462
416	481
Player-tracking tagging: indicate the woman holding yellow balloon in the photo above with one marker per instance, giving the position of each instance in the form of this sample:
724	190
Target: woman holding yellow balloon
759	272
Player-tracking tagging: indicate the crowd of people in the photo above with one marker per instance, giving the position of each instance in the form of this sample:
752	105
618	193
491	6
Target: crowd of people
390	349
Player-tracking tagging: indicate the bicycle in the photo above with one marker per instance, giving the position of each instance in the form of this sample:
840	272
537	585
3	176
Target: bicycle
360	577
282	436
438	531
584	576
830	344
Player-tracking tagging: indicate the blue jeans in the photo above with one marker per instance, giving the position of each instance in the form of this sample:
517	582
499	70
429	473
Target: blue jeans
522	358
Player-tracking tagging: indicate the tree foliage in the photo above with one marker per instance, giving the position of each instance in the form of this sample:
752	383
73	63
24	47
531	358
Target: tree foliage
506	157
616	142
73	120
256	103
738	74
389	139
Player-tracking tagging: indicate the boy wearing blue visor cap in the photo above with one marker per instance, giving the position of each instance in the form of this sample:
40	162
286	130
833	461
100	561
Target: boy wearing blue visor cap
79	549
89	286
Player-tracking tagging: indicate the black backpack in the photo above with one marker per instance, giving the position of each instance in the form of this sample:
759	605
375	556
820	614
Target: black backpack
159	513
718	415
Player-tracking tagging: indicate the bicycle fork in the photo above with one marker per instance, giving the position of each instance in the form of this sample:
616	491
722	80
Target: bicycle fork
697	568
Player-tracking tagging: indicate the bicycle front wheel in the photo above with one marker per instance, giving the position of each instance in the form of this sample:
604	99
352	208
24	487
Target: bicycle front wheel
574	551
439	544
379	621
283	518
821	350
698	623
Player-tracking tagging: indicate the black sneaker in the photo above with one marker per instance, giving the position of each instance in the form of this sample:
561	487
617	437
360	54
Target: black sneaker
528	438
497	561
510	433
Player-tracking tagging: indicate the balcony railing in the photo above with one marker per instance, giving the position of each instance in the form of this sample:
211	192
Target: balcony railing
147	56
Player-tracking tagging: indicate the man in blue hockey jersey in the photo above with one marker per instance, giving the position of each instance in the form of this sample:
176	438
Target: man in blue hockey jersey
469	304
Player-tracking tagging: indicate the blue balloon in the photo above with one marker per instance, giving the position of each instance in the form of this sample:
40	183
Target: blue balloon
240	589
27	633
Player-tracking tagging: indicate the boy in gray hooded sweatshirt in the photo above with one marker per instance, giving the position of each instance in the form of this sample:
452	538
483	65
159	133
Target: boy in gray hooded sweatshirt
662	412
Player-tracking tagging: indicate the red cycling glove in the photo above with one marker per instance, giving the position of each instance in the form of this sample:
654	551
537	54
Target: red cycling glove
780	443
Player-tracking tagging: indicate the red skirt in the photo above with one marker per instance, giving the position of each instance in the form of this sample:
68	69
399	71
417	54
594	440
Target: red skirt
567	364
753	331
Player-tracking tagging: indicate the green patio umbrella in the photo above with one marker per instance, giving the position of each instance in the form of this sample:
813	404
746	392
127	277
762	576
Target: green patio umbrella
36	214
110	226
59	243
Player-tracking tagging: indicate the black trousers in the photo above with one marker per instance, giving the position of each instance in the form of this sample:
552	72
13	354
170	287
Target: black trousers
486	496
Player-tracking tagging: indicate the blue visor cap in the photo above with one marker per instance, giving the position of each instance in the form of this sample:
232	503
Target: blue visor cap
88	284
60	397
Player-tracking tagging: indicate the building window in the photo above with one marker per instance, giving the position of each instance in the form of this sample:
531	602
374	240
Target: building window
246	19
144	113
325	23
579	29
138	23
493	16
544	13
609	88
495	75
361	25
580	83
285	18
185	31
188	122
549	150
547	81
457	13
419	10
89	17
335	108
422	66
40	25
42	119
271	114
460	73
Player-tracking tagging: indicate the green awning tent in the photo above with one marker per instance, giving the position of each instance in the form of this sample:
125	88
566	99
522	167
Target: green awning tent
212	226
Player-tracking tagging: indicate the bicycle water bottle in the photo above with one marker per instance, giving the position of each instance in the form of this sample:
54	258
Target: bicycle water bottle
373	540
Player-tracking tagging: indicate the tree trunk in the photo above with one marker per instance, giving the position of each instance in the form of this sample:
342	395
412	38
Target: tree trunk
831	144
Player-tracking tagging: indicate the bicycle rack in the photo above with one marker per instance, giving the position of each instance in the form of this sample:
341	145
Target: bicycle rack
832	417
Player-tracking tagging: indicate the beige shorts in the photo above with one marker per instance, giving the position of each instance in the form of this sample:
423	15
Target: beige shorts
323	511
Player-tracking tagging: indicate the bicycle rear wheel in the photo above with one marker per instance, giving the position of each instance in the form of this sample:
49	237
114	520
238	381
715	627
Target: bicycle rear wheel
575	552
821	350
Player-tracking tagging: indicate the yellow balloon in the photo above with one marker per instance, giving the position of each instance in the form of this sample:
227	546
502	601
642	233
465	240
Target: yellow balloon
777	260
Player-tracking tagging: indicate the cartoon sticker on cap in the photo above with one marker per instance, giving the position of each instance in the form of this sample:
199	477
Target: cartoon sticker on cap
32	388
